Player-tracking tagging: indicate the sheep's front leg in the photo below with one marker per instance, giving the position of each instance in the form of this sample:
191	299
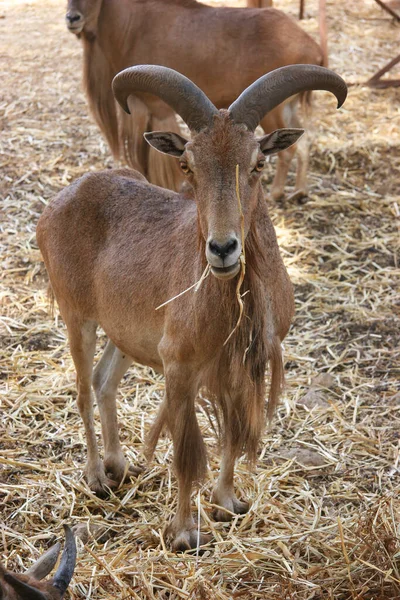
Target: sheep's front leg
190	460
107	376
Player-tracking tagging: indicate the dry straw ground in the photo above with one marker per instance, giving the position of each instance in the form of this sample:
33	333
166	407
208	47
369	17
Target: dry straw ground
324	521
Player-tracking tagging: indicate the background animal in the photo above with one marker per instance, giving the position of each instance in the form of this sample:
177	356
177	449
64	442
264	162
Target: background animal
259	3
223	50
136	245
29	586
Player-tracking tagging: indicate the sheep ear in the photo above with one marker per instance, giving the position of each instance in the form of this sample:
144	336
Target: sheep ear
279	140
166	142
24	590
45	563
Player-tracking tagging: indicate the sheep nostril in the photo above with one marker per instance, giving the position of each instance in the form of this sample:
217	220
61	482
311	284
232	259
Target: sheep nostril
223	250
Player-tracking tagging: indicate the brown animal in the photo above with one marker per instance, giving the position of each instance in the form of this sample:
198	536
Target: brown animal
223	50
323	40
116	247
30	586
259	3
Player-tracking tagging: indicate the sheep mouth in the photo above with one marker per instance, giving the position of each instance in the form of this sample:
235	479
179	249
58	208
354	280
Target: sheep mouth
75	27
226	272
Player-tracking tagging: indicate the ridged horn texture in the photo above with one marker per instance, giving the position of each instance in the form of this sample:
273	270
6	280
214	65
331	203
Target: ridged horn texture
45	563
176	90
278	85
24	590
66	567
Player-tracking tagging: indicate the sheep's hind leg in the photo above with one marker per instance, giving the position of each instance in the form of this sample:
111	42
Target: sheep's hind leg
224	495
107	376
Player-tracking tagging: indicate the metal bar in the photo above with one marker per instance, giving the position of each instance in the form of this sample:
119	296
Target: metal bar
323	31
382	84
374	81
388	9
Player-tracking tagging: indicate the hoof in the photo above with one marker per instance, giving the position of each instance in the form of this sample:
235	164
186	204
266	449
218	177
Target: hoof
119	471
101	485
187	540
233	505
299	196
277	194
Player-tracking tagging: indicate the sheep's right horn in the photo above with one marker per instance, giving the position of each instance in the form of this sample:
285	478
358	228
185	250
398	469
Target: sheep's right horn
45	563
278	85
176	90
66	568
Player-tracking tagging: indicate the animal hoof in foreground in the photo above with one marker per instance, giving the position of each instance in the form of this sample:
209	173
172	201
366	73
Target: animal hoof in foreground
232	507
102	486
98	482
186	539
121	471
299	196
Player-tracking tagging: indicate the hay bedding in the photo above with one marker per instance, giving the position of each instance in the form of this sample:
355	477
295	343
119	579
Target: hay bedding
325	515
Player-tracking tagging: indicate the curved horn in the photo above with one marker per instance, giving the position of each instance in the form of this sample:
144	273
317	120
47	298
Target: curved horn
278	85
45	563
67	563
24	590
181	94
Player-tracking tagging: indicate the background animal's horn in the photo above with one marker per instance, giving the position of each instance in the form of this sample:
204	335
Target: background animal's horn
45	563
181	94
275	87
67	563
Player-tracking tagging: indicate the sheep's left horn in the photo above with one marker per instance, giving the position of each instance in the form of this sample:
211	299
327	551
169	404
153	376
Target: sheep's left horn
66	568
176	90
45	563
278	85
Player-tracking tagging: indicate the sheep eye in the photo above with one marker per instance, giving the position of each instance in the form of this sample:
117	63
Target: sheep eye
260	165
185	168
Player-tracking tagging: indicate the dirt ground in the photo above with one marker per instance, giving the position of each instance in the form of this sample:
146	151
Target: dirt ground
324	520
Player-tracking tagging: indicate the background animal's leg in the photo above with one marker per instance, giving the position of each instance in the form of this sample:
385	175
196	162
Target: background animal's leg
302	154
302	149
189	452
82	339
281	117
224	494
134	148
284	159
107	375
